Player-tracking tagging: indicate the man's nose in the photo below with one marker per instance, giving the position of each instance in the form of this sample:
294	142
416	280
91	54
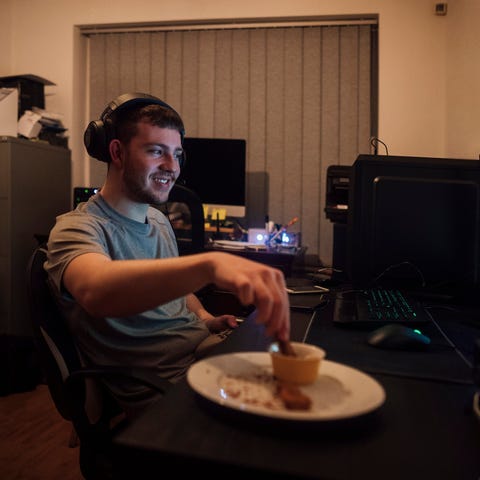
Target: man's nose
171	162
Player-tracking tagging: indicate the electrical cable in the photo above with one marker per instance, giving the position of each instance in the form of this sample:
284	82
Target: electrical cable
445	336
396	265
374	141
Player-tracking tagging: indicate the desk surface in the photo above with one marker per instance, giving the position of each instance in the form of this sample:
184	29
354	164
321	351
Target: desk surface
425	429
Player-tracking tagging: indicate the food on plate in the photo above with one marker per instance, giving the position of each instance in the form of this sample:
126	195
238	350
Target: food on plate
301	369
263	390
293	398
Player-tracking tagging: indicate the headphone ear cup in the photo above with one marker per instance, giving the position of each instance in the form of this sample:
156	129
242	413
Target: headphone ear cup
95	141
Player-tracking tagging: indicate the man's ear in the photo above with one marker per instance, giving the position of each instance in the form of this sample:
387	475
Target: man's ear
116	152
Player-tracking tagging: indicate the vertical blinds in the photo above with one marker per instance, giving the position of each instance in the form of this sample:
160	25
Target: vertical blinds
300	96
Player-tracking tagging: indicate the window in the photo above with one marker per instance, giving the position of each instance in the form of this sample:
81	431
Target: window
303	95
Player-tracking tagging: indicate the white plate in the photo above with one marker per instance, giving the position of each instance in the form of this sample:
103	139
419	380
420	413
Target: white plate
244	381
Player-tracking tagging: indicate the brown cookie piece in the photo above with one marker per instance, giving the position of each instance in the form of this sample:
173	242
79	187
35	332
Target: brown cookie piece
292	397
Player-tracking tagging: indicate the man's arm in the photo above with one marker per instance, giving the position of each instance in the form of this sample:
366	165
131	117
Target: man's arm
118	288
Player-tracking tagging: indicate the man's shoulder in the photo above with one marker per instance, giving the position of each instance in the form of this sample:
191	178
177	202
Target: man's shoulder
82	214
154	213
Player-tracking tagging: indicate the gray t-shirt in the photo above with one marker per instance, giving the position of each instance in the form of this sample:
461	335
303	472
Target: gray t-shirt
164	338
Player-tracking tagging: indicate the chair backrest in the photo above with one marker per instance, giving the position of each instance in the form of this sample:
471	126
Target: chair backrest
57	352
190	236
72	385
65	377
76	390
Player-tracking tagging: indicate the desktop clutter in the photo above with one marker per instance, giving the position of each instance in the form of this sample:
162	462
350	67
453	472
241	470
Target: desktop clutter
231	234
23	114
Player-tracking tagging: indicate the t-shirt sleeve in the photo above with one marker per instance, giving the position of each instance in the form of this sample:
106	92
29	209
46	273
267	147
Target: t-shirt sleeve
72	235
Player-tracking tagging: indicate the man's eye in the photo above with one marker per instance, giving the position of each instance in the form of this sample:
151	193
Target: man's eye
158	152
178	155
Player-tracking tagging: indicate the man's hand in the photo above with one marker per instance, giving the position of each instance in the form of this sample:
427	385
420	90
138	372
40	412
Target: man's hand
221	323
256	284
214	324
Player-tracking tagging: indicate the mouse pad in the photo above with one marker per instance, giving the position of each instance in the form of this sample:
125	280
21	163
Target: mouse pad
439	361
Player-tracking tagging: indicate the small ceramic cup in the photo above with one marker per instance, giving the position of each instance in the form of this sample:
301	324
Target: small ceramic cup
300	370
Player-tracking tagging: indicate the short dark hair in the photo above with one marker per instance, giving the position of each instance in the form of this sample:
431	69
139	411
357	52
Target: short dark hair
127	119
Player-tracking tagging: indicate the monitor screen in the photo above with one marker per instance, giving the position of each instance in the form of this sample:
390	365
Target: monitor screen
82	194
414	222
215	169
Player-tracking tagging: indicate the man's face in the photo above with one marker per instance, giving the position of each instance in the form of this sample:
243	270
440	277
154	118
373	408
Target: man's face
151	164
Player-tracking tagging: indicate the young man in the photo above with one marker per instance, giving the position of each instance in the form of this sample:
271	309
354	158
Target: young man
114	265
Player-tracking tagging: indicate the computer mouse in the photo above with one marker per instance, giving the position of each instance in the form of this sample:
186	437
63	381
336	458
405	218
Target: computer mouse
398	337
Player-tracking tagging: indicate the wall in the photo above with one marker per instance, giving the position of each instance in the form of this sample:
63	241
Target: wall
463	80
6	37
413	55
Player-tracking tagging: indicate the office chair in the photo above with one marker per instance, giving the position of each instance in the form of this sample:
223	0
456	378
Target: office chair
191	234
68	381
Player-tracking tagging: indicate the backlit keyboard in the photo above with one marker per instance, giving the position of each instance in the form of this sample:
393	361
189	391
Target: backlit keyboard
378	306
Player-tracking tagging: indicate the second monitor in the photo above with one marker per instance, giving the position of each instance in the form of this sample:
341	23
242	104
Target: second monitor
215	170
415	222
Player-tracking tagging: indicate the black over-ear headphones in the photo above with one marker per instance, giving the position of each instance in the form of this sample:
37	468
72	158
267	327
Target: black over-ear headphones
99	133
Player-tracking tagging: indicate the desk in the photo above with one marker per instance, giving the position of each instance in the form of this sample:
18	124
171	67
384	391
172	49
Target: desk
425	429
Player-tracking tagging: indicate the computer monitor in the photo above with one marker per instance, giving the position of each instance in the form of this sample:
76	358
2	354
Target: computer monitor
414	222
215	169
82	194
